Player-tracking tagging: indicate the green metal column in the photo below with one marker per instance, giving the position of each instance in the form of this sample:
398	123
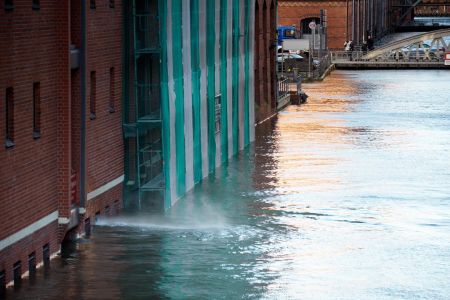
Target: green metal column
165	115
196	74
223	77
211	79
236	36
177	49
247	75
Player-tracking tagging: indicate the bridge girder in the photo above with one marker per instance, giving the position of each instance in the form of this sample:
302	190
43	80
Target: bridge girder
402	49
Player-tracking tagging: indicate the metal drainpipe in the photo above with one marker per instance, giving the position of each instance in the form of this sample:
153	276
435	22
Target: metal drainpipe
83	107
346	24
353	21
364	22
371	12
358	21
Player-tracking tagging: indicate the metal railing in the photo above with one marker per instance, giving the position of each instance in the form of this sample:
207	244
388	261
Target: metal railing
324	63
393	56
289	89
283	88
346	56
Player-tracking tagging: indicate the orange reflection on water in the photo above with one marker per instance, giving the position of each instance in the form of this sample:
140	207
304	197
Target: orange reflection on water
300	164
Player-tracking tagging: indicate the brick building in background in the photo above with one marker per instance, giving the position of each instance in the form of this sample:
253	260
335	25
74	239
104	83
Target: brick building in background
48	153
347	19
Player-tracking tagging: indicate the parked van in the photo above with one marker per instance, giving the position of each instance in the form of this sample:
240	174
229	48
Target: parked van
287	32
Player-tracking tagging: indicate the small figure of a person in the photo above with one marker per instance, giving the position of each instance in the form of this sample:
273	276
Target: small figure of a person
442	53
346	46
364	46
370	43
350	49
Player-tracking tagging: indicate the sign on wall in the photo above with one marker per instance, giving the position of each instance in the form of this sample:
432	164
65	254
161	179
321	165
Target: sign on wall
447	59
296	44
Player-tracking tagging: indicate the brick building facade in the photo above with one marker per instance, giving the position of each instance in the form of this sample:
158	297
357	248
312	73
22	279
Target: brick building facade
61	75
347	19
265	51
75	136
40	98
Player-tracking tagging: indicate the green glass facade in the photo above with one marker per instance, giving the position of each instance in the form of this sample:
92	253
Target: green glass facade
181	101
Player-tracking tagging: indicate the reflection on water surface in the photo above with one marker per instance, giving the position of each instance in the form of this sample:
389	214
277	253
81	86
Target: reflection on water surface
346	197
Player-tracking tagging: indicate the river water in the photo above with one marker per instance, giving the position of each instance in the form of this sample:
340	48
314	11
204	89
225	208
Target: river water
346	197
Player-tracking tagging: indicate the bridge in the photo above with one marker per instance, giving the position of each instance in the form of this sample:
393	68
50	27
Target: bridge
424	50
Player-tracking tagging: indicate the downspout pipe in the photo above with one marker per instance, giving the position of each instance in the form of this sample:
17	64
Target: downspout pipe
83	108
346	23
353	21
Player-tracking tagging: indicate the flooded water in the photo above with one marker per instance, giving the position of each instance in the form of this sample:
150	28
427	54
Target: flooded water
346	197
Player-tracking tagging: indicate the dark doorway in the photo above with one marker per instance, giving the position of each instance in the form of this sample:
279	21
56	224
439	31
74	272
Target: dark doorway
304	25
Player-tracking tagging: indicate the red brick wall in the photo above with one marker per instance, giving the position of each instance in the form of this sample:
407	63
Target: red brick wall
32	173
63	105
32	243
293	12
29	170
75	109
111	199
265	89
35	173
104	139
374	20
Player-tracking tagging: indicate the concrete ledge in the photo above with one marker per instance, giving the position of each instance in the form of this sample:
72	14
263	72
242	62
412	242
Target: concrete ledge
14	238
105	188
328	71
283	102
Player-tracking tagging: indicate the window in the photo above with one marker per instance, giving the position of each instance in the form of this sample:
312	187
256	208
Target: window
36	110
2	283
36	5
46	254
87	227
111	90
116	206
32	263
9	142
9	5
218	108
92	4
305	29
92	97
17	273
289	33
111	3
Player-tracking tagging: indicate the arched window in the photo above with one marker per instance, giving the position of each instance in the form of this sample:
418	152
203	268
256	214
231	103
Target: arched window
305	24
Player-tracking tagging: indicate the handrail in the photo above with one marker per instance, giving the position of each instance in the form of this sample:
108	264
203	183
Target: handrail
399	56
283	88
